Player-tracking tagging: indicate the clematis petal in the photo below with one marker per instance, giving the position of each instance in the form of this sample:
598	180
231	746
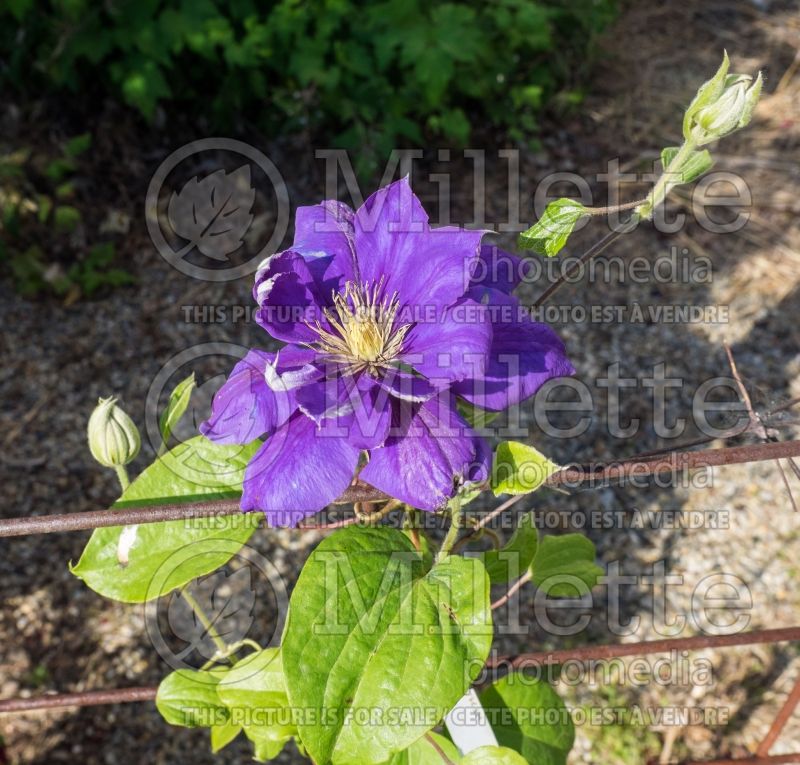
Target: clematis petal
355	408
524	355
325	232
454	347
406	386
497	269
245	407
293	368
426	267
288	300
298	471
427	456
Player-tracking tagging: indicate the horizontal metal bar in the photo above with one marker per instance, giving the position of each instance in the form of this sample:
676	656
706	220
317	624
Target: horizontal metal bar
617	650
361	492
127	516
775	759
86	699
586	653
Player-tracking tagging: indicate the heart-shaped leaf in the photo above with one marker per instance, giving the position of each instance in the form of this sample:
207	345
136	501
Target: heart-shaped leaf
188	698
165	556
377	650
550	233
513	559
528	717
254	694
519	468
564	566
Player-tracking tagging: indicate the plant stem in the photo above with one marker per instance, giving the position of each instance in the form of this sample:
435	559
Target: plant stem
202	617
379	514
452	533
410	525
667	179
595	249
122	475
614	208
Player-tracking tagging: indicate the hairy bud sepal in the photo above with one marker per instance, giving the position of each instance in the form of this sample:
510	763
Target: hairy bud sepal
723	105
114	439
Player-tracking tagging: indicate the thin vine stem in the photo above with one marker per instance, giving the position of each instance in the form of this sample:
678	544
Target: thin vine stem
614	208
452	533
203	618
595	249
122	476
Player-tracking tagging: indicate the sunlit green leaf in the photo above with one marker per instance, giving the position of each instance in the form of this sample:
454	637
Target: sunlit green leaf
564	565
189	698
176	406
376	649
165	556
519	468
512	560
550	233
528	716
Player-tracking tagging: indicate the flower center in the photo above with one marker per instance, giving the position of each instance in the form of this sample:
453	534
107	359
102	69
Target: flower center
364	335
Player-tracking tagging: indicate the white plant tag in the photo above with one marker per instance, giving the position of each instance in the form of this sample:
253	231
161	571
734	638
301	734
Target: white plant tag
468	725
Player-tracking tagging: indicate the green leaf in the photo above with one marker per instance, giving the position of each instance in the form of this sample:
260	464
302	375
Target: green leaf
45	206
668	154
188	698
224	734
493	755
78	144
66	218
423	752
697	163
254	692
255	681
528	716
519	468
58	169
564	566
165	556
376	650
264	749
550	233
516	556
176	407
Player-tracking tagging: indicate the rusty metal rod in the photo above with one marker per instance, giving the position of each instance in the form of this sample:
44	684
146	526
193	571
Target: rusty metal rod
617	650
775	759
780	721
126	516
586	653
86	699
361	492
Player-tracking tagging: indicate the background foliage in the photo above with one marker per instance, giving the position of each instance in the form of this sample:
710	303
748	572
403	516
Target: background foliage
366	74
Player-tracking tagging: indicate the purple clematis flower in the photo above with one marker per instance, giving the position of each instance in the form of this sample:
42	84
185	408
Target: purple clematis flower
386	323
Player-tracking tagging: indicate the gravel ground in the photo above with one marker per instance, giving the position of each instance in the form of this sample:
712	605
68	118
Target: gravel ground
55	634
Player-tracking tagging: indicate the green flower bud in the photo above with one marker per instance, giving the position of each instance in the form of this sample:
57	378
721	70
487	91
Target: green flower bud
723	104
113	438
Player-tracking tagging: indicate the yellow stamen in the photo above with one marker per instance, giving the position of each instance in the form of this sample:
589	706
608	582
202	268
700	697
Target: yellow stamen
364	335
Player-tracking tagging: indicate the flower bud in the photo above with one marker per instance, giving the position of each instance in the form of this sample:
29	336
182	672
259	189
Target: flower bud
723	104
113	438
